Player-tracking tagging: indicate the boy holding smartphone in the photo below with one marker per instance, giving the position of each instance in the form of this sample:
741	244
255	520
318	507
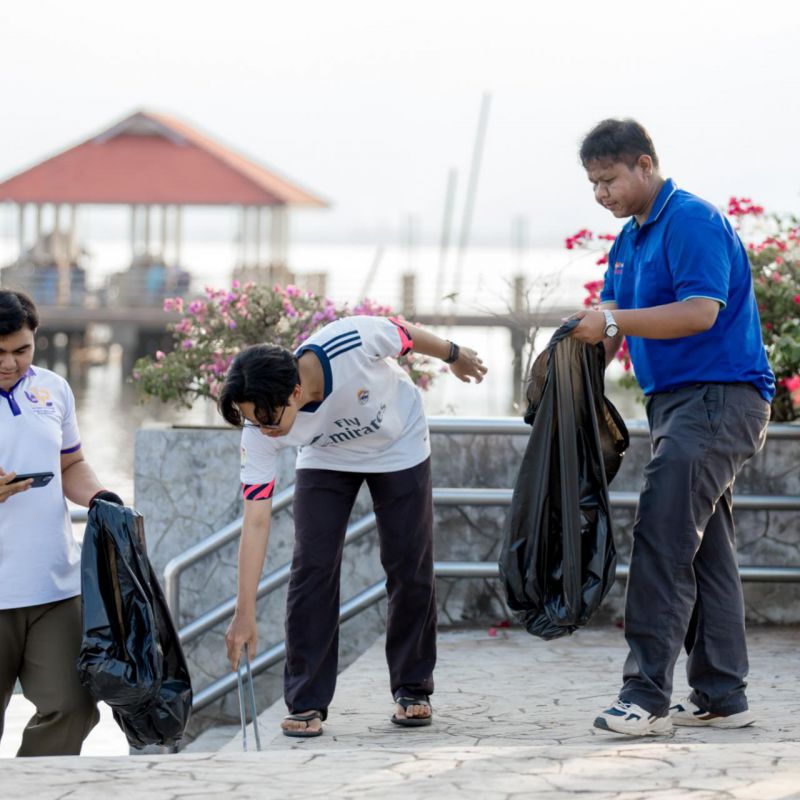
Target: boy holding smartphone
40	608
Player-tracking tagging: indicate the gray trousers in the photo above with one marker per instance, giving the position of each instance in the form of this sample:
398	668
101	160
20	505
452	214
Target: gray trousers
39	645
683	586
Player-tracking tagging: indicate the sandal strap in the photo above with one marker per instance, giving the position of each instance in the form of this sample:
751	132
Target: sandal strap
308	716
405	702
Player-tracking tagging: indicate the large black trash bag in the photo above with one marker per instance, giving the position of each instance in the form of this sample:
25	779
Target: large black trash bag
558	559
130	656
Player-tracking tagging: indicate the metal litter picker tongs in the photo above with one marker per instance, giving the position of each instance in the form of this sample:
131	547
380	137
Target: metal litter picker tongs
252	696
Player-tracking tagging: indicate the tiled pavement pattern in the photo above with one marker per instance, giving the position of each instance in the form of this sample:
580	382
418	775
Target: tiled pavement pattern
513	720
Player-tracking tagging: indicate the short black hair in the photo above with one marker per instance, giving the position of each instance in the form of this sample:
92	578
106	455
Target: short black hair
17	311
264	375
617	140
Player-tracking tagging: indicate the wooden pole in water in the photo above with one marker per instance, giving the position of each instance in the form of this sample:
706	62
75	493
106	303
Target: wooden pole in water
517	341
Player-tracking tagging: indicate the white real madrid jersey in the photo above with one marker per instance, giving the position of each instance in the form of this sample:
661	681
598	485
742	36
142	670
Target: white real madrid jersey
39	557
371	417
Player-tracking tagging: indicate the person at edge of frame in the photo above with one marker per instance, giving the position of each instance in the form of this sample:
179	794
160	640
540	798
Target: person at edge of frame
40	580
679	288
356	416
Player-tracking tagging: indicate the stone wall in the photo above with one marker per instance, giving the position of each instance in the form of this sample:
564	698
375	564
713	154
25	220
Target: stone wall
186	486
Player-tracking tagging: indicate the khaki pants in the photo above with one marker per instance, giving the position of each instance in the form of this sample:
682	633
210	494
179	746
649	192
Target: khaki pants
39	645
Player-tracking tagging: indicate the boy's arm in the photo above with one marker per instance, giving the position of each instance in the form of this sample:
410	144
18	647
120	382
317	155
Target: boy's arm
468	365
252	552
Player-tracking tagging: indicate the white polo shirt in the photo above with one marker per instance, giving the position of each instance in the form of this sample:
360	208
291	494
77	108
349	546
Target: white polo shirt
370	420
39	557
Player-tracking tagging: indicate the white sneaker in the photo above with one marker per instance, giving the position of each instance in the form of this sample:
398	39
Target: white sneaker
633	720
688	713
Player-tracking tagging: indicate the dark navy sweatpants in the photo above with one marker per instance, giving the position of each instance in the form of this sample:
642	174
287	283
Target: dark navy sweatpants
323	500
683	586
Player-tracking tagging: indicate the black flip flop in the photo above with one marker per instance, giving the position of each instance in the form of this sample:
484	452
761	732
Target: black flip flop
412	722
309	716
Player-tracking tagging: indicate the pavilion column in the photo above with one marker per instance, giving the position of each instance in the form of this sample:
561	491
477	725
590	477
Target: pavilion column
257	236
72	232
264	216
38	223
61	258
278	232
21	227
164	234
242	235
178	234
134	232
147	210
285	235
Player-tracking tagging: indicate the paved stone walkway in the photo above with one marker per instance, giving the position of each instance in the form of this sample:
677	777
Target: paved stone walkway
513	720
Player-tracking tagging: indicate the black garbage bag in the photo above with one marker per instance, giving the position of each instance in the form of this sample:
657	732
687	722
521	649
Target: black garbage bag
130	655
558	559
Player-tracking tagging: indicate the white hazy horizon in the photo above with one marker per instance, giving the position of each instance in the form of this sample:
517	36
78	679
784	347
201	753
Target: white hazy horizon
371	104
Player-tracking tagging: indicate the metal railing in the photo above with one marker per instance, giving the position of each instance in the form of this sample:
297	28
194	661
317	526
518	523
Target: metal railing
206	547
355	531
442	569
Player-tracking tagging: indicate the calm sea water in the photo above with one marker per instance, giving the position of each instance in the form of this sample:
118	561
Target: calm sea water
110	413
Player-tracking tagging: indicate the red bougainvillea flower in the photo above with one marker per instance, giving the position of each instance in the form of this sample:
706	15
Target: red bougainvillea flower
579	239
743	206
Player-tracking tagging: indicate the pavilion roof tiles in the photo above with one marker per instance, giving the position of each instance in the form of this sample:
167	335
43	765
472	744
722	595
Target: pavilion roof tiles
153	159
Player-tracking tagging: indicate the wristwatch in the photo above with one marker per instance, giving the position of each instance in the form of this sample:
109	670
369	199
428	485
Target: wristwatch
611	329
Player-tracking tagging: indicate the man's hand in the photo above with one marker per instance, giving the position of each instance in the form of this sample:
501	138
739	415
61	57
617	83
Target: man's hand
241	631
469	365
591	328
8	489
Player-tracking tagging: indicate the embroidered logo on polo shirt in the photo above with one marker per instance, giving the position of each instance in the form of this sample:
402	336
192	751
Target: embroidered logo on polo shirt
38	396
619	266
40	401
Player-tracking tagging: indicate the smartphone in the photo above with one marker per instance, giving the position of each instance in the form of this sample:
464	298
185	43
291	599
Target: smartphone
39	478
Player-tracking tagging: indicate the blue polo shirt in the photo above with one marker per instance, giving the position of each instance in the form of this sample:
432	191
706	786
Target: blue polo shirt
687	248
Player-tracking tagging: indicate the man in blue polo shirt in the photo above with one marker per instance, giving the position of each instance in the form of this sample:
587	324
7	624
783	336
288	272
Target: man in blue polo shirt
679	288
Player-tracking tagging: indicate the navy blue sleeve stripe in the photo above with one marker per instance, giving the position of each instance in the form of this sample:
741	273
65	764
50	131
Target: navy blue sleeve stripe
331	348
347	334
343	343
344	349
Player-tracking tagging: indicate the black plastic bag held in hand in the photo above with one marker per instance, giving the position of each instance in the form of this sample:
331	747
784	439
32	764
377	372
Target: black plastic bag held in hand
130	656
558	559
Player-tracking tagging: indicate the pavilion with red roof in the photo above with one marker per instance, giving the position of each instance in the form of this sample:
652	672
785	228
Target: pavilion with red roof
157	165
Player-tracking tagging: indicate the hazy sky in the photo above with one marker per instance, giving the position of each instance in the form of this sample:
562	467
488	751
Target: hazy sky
370	103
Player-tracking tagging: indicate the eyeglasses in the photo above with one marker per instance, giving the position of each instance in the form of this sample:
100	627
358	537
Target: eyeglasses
270	427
